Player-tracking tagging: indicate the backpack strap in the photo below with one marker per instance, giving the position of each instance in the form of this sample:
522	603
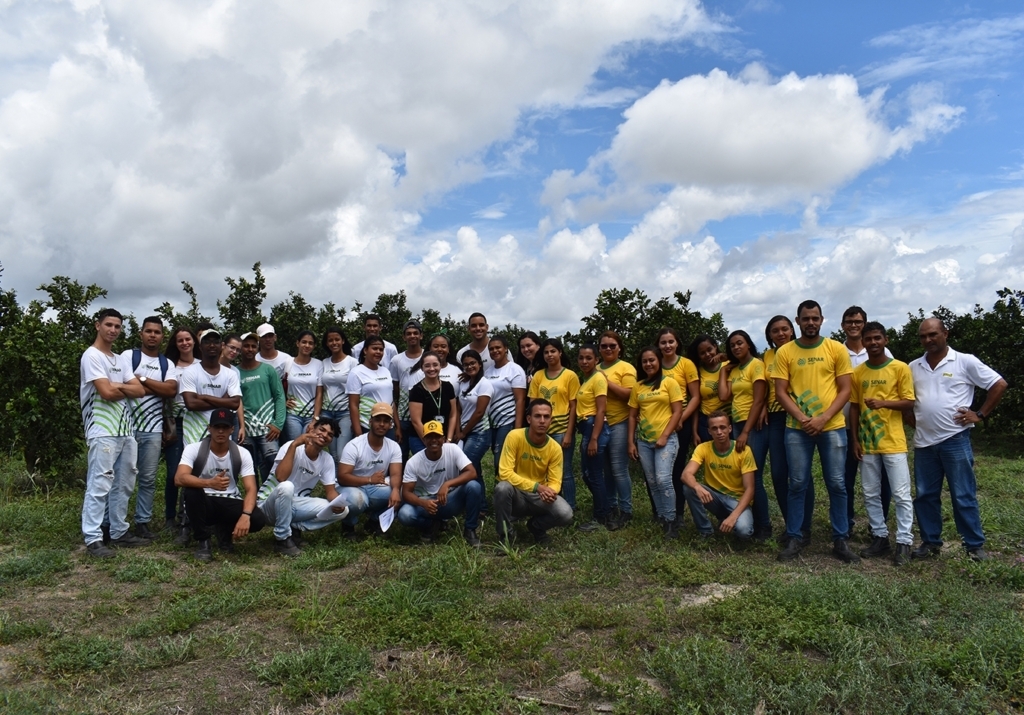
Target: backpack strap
201	457
236	460
163	366
136	358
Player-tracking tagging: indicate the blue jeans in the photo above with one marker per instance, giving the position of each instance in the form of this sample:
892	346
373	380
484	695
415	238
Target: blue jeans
147	461
109	484
702	427
618	485
780	471
568	480
344	431
657	465
831	445
288	511
370	498
757	442
475	446
953	459
172	456
498	435
467	498
294	426
263	452
415	443
722	506
593	474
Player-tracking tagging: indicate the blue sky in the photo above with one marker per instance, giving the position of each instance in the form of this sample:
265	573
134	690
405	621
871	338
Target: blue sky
518	157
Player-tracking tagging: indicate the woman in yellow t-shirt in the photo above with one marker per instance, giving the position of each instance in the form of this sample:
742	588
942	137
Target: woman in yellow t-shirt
683	371
655	406
703	351
591	407
621	377
557	384
744	383
778	332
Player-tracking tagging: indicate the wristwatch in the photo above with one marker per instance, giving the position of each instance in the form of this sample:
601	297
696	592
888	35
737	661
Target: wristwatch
143	379
980	414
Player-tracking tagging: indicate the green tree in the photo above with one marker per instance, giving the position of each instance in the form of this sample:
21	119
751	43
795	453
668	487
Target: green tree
242	311
193	317
289	318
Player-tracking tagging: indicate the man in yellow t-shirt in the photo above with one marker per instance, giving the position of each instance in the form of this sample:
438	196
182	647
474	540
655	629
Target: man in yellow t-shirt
728	488
883	389
812	383
529	479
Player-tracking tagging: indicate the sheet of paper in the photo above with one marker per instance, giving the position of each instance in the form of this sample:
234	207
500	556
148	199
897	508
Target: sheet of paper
326	512
386	517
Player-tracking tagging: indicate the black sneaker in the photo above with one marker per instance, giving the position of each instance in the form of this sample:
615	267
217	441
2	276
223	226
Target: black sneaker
792	550
99	550
841	550
926	551
203	551
184	536
128	540
624	518
609	523
471	538
349	532
106	533
297	537
762	534
978	554
287	547
144	532
588	527
171	526
670	530
880	546
541	538
225	541
902	556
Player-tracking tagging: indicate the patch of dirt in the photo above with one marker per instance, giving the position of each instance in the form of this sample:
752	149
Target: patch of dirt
708	593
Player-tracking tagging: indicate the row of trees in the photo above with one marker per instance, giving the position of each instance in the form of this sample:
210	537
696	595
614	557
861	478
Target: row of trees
41	343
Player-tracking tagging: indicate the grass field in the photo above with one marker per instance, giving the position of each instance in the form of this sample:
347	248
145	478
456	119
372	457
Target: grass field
609	622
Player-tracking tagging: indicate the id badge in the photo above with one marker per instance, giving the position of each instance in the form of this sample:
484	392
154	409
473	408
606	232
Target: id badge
439	418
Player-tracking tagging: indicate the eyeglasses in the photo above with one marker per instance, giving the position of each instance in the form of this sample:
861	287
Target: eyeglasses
609	346
853	322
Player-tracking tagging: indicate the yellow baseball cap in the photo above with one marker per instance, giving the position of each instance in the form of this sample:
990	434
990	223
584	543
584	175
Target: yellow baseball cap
433	427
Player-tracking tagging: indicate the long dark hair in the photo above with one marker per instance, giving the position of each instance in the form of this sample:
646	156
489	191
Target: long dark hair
750	344
675	334
539	362
520	359
773	321
451	358
471	382
367	343
655	381
346	347
173	354
692	350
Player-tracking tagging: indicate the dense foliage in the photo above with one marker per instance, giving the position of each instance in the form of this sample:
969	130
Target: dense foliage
41	343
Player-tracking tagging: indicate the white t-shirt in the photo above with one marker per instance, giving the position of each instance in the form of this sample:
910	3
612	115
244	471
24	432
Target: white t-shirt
279	363
468	398
305	472
365	462
401	372
940	392
450	374
429	476
485	356
148	411
372	386
302	383
100	417
214	465
335	382
502	410
390	351
197	380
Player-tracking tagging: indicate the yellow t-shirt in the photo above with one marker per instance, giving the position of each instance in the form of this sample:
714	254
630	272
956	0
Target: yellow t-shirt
655	407
624	375
684	372
558	392
742	380
724	472
881	431
586	399
524	464
709	400
812	373
769	372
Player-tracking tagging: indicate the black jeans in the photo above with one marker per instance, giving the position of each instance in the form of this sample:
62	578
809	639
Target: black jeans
205	511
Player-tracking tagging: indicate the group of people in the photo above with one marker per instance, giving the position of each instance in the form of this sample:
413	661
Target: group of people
403	434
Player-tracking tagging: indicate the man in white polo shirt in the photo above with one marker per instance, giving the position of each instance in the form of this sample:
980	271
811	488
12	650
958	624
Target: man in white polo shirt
944	381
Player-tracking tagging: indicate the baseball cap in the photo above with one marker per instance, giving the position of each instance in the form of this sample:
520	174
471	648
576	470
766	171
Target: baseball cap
248	335
203	334
381	408
412	324
222	417
265	329
433	427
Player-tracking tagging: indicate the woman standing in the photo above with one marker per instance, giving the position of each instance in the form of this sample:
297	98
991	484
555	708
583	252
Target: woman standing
304	377
655	406
182	350
474	393
621	377
778	332
441	346
684	372
591	407
744	382
368	384
508	399
557	384
703	352
431	399
526	355
336	368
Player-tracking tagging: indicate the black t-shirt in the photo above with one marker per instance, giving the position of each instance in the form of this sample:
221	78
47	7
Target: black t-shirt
436	404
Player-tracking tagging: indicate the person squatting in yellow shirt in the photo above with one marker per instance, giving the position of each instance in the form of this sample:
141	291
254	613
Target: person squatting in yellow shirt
529	479
728	488
883	389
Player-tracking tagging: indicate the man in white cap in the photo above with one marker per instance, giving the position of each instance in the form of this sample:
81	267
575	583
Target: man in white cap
370	470
269	353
